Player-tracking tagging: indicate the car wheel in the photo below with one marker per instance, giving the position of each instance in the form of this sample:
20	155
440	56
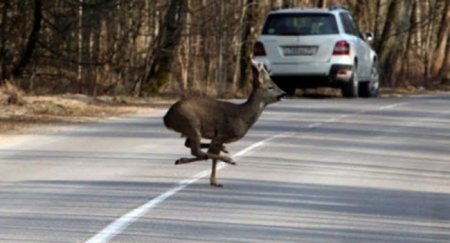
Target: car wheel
350	88
370	88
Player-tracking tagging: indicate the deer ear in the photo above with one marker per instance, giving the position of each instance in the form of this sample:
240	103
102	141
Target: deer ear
256	71
254	63
257	65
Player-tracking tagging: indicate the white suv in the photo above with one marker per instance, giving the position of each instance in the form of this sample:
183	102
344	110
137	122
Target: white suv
318	47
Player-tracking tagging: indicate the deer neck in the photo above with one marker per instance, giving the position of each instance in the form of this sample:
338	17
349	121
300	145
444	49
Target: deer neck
253	107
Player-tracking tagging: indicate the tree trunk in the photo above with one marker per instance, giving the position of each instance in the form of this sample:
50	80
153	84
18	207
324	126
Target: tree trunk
247	43
441	51
288	4
418	35
167	42
3	49
445	69
32	40
221	70
377	23
427	42
391	43
322	3
405	64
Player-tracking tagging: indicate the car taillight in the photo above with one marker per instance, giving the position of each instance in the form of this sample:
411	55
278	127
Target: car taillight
341	48
258	49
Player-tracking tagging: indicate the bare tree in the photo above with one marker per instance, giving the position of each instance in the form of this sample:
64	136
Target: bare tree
167	42
248	32
442	50
321	3
391	44
4	55
25	55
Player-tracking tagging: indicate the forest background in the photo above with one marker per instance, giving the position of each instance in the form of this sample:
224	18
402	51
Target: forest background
145	47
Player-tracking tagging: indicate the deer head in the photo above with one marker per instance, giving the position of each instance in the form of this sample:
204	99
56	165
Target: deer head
264	86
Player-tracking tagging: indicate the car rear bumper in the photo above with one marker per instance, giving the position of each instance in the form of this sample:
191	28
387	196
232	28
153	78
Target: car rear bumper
303	69
333	76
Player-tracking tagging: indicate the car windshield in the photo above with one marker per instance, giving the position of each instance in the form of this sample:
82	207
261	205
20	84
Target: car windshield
300	24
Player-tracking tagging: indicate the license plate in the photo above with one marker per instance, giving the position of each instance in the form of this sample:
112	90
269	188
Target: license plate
299	50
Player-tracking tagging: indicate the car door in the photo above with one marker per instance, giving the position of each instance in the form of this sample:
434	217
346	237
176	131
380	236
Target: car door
361	47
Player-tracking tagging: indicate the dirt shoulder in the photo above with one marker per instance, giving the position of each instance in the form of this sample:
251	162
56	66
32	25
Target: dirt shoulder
34	113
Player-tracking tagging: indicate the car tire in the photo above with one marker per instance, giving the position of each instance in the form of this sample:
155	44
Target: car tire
370	88
350	88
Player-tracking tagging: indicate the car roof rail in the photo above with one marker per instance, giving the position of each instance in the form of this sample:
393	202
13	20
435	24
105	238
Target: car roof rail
337	7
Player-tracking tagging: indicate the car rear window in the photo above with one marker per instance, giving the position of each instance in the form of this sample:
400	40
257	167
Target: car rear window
300	24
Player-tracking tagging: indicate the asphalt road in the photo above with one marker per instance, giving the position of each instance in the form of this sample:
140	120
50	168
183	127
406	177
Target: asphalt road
310	170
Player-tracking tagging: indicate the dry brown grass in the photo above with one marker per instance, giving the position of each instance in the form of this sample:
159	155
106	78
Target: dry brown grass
69	109
413	90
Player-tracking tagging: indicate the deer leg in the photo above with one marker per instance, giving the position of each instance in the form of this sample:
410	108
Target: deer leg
195	146
216	146
204	145
210	155
187	160
213	179
223	158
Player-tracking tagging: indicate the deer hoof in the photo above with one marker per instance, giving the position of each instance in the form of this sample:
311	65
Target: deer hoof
181	161
215	184
230	161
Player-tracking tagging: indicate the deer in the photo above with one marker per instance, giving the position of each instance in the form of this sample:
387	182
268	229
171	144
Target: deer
221	122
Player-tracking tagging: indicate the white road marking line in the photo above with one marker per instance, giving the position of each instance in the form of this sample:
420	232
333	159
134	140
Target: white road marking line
120	224
123	222
392	106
